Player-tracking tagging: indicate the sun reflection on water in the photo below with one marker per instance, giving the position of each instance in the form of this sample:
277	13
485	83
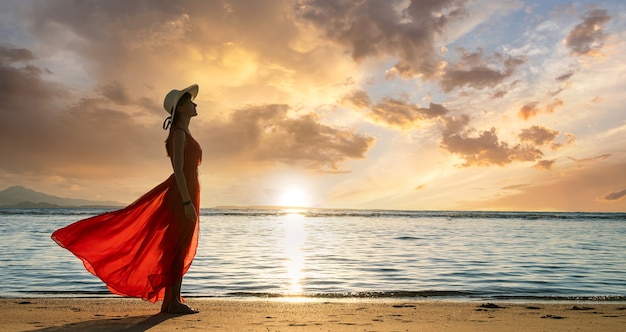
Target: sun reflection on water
295	235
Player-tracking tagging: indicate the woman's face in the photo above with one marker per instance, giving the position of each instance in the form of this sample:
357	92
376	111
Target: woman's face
188	107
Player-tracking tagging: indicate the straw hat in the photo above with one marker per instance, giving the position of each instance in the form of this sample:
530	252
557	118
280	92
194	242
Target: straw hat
171	99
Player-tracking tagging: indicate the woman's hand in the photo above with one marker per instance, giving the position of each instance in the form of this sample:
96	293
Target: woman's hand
190	212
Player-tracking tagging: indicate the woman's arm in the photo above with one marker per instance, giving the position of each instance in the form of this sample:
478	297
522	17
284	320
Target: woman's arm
179	161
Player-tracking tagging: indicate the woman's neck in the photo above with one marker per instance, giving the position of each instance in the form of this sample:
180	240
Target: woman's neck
183	123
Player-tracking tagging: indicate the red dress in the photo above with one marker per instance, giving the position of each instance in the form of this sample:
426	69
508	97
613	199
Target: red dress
141	249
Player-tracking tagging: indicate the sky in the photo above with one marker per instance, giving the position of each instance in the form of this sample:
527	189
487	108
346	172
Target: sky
412	104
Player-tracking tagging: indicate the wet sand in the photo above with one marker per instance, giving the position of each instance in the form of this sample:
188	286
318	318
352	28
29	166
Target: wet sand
121	314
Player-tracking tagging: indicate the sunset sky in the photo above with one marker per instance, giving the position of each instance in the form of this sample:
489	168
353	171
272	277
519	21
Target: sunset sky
425	105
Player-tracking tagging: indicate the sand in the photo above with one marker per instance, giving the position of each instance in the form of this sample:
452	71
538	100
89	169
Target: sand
121	314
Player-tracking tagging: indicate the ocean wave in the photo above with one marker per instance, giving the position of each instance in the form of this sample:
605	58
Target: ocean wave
348	213
343	213
427	294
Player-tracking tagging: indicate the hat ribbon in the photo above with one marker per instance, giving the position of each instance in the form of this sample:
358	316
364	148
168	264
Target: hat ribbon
167	123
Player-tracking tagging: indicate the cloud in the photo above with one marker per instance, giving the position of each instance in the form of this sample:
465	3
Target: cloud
228	48
502	91
358	99
592	159
117	93
102	133
538	135
387	28
569	139
398	114
484	148
566	76
587	38
392	112
545	165
473	71
515	186
530	110
552	106
614	196
266	133
53	134
10	54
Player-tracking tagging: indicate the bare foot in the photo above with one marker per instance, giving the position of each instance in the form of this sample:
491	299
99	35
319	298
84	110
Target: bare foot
178	308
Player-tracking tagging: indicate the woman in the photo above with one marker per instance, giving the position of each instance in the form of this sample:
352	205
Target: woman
145	249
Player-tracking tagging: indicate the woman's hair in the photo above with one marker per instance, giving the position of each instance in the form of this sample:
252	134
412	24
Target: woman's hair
183	99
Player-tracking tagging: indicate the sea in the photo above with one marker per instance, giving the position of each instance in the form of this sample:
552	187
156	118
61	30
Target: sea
351	254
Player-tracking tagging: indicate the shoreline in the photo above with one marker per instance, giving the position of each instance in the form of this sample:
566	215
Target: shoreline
306	314
374	296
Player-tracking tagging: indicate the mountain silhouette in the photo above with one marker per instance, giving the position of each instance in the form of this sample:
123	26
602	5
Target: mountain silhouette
20	197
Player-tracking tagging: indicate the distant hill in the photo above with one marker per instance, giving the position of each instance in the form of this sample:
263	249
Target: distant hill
20	197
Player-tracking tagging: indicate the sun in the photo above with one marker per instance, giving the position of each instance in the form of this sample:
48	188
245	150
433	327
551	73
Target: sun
293	197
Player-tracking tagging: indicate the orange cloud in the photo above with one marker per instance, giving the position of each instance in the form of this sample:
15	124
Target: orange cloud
552	106
531	109
357	98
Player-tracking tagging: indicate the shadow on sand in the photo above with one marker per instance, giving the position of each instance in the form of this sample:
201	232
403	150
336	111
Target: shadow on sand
128	324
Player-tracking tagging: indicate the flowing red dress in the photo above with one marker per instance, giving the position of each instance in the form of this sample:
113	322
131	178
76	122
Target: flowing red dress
141	249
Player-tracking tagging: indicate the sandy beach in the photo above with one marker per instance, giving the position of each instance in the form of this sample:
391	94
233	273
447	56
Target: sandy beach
120	314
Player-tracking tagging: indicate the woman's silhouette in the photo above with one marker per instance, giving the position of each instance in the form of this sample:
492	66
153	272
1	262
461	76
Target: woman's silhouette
144	250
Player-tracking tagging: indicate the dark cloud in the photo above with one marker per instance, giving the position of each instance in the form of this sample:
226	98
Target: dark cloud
268	134
399	114
9	54
592	159
474	71
502	91
538	135
566	76
616	195
46	132
117	93
482	148
155	41
358	99
588	37
384	28
499	94
392	112
96	136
